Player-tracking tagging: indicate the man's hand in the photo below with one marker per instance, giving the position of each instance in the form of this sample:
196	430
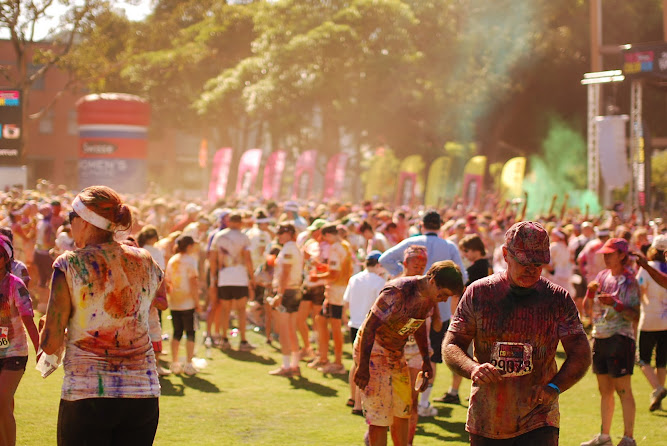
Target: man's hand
593	286
542	395
427	369
485	374
361	377
605	299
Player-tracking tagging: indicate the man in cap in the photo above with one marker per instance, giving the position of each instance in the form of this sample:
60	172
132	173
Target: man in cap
515	319
291	208
437	249
232	277
192	210
382	370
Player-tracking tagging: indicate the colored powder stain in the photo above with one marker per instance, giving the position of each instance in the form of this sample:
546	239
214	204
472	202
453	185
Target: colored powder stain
95	266
120	303
100	386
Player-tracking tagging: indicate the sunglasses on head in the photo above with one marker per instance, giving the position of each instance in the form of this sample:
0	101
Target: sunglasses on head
72	216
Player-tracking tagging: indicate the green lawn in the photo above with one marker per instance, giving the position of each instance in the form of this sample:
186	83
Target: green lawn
235	402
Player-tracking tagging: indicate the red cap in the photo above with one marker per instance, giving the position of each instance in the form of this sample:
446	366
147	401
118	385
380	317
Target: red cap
614	245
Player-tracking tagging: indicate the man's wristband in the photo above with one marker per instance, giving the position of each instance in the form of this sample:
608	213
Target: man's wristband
618	306
554	386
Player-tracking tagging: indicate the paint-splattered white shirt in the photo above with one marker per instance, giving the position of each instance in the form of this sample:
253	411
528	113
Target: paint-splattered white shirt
109	352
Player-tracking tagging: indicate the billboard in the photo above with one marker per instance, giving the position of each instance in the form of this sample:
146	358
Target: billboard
11	126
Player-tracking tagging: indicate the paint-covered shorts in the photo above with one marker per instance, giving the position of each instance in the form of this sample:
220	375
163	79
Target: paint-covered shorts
388	393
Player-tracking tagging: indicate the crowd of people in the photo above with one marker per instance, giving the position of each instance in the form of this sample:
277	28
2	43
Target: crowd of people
480	289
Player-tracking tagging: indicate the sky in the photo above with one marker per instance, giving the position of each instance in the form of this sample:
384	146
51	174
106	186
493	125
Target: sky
138	10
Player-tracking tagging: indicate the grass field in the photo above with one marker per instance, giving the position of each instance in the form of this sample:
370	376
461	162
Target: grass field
233	401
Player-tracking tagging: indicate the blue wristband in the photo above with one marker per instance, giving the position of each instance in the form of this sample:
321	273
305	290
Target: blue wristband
554	386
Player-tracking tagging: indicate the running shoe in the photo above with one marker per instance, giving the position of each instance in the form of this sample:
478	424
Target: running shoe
246	346
627	441
176	368
358	412
161	371
656	398
295	372
448	398
281	372
190	370
428	411
208	342
225	345
306	353
599	440
316	363
334	369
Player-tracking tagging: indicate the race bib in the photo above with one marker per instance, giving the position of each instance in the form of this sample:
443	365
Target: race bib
4	337
411	326
512	358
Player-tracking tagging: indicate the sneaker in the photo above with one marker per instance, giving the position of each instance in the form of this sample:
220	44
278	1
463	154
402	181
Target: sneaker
176	368
281	372
317	363
358	412
225	345
161	371
306	353
246	346
428	411
334	369
627	441
599	440
656	399
208	342
448	398
190	370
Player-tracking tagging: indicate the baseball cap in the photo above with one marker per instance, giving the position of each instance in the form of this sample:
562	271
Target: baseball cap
432	217
192	208
528	242
373	255
614	245
660	242
291	206
317	224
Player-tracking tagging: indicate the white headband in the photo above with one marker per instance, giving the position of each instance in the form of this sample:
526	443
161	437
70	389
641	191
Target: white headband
4	242
91	217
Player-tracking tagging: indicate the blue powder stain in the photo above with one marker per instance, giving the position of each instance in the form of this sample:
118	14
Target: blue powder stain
95	266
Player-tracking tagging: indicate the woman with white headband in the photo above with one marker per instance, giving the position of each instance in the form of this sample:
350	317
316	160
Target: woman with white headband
101	293
15	312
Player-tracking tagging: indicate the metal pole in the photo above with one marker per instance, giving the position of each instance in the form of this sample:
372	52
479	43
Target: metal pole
593	147
637	185
596	34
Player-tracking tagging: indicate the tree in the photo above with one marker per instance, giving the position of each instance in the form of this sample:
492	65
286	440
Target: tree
22	19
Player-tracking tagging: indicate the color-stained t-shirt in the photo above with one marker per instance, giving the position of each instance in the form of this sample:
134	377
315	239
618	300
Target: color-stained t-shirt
20	270
608	322
402	310
289	255
181	268
518	331
231	244
653	315
109	352
14	303
259	241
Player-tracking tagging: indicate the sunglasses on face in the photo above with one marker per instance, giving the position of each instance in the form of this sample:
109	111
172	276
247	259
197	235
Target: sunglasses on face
72	216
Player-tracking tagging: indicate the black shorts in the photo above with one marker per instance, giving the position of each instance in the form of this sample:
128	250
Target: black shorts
183	321
436	338
108	421
13	363
353	335
232	292
332	311
543	436
291	300
614	356
314	295
649	340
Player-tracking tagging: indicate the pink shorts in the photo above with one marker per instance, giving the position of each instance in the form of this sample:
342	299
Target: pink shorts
388	393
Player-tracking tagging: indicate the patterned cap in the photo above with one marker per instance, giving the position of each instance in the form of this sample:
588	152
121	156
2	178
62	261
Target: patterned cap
614	245
528	242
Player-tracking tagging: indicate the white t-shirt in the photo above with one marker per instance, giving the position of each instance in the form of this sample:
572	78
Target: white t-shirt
181	268
361	292
289	255
336	290
653	316
232	244
259	240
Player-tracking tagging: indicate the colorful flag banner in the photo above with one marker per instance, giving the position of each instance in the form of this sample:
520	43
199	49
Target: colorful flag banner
273	175
222	162
511	178
304	174
473	180
335	176
248	170
436	187
410	180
